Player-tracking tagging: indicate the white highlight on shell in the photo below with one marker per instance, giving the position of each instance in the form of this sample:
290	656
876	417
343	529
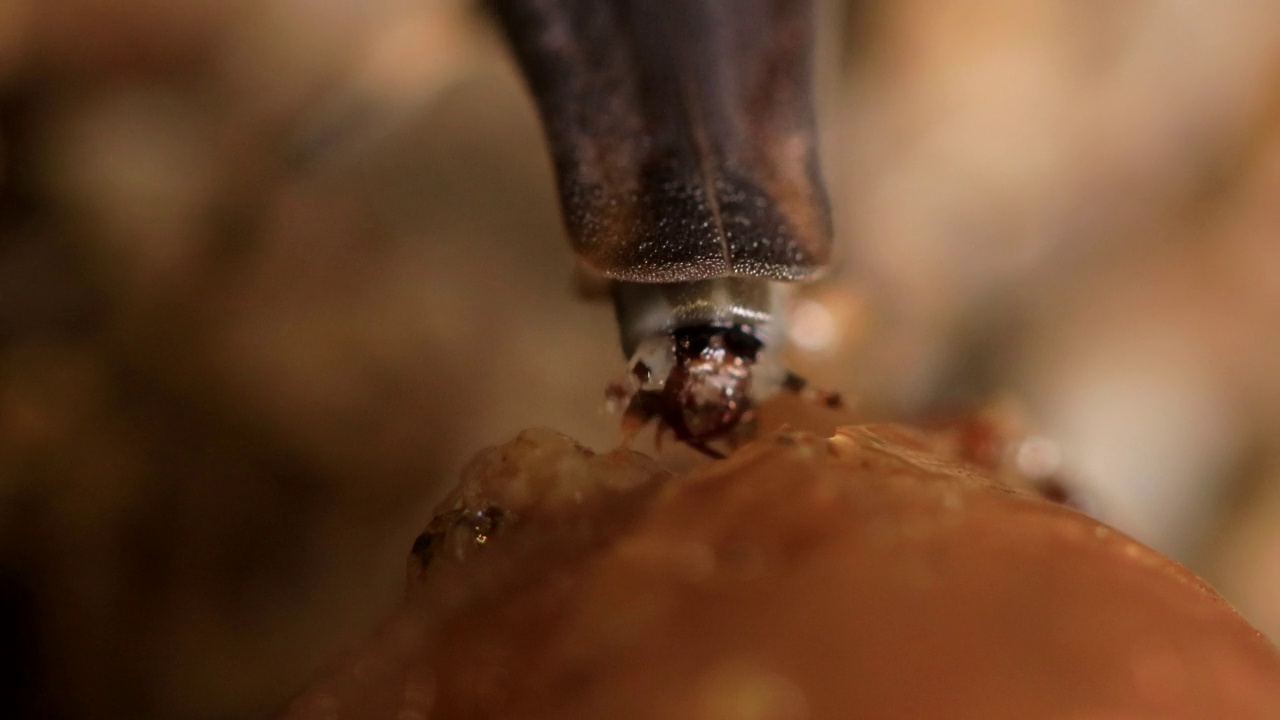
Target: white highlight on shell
812	327
1038	457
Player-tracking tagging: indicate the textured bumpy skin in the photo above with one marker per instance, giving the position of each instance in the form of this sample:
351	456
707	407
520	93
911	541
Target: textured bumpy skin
682	133
882	573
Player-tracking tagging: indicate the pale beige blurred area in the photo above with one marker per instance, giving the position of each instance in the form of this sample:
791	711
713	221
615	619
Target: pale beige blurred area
271	271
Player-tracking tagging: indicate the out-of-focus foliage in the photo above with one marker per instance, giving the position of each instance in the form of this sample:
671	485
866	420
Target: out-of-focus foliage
270	271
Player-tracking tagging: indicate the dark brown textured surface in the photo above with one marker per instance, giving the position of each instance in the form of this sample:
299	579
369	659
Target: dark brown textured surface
871	575
682	133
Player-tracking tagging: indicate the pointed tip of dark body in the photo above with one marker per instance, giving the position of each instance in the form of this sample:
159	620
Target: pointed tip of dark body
682	133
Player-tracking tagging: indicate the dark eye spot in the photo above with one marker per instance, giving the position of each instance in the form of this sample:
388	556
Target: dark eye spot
485	523
459	531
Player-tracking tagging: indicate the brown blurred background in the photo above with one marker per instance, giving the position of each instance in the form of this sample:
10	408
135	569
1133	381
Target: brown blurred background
272	270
